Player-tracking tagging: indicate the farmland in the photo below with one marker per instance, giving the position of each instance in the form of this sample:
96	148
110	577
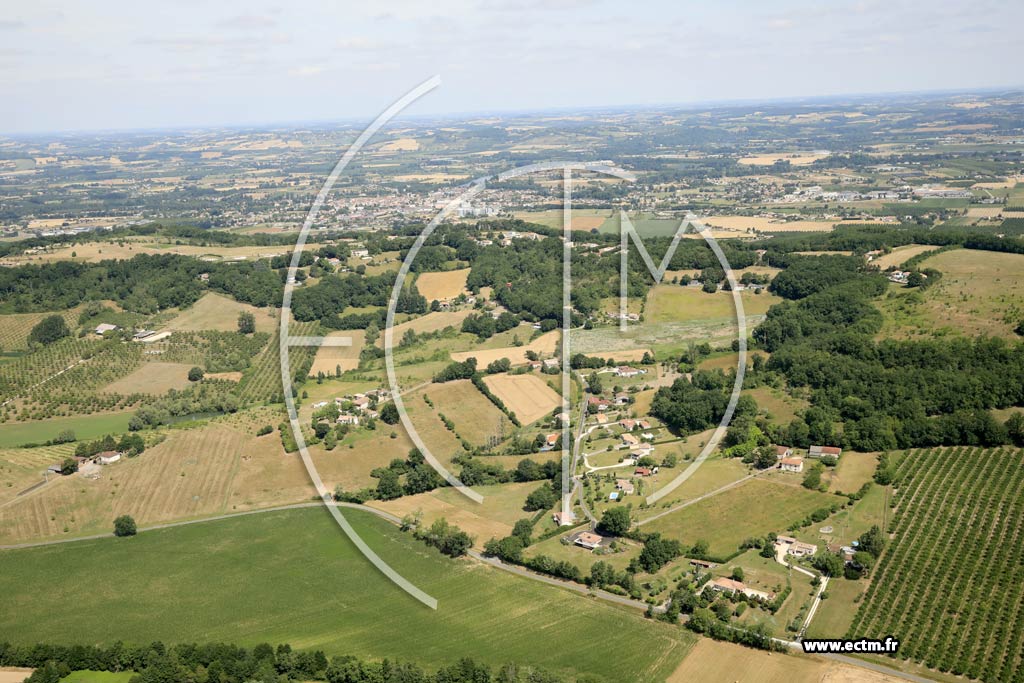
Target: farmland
528	396
329	358
950	583
151	378
316	590
444	285
191	474
979	293
752	508
476	419
716	661
544	345
671	303
218	312
84	427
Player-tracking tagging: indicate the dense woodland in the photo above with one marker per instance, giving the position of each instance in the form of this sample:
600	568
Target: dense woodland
220	663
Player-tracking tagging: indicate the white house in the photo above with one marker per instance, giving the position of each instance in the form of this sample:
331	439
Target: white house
792	465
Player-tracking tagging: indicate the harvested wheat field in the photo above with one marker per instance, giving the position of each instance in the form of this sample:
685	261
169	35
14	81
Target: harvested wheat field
544	345
329	358
151	378
445	285
713	661
528	396
794	158
401	145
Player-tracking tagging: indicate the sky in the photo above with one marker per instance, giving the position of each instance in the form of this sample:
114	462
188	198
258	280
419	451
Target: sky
115	64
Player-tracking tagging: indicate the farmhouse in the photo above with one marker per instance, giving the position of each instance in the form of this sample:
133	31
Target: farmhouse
794	547
105	327
625	485
360	253
108	457
627	371
348	420
551	363
642	450
644	471
630	440
588	540
627	424
792	465
600	403
723	585
783	452
621	399
818	451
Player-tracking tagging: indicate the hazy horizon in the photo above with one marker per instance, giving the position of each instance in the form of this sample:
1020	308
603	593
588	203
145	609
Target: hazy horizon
69	67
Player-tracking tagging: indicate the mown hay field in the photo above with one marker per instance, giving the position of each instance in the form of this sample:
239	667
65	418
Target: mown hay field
151	378
445	285
528	396
544	345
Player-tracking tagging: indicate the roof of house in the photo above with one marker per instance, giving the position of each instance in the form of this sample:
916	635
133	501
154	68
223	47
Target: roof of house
782	450
629	438
589	538
827	450
792	461
728	584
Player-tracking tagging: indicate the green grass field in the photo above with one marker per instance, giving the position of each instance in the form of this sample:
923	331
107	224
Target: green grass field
291	576
980	292
672	303
84	427
98	677
751	509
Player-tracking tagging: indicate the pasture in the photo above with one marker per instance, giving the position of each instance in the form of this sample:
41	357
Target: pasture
753	508
154	378
15	434
431	322
316	591
980	292
218	312
672	303
528	396
853	471
444	285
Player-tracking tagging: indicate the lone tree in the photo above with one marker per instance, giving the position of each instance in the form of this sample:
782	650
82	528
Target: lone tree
48	330
195	374
125	526
246	322
615	521
69	466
